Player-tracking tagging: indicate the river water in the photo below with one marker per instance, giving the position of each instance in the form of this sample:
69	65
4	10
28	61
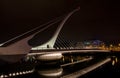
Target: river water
70	63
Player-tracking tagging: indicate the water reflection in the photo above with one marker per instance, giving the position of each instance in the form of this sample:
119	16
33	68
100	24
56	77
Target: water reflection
114	60
51	69
50	72
73	58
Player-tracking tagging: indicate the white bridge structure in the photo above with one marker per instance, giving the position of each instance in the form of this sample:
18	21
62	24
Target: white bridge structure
47	52
16	48
50	43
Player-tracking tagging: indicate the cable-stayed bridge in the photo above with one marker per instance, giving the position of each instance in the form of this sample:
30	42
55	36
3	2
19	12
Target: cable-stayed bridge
56	45
16	48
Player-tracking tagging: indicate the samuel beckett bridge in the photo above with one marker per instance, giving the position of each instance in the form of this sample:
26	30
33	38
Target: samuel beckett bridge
56	45
20	45
52	49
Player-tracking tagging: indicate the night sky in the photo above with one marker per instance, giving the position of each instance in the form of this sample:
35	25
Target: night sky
97	19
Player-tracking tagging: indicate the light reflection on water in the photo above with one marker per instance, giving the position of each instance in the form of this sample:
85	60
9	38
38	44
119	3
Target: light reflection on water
47	71
114	60
50	72
73	58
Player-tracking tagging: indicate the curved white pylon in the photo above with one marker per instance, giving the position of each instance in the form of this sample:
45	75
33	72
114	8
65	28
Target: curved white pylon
51	42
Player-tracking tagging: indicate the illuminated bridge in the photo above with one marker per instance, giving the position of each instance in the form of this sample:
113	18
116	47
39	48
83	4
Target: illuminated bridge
53	46
49	50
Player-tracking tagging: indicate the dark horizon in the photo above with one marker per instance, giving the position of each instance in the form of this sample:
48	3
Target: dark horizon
97	19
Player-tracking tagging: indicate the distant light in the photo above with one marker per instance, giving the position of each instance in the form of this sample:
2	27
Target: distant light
119	44
17	73
10	74
1	44
13	74
2	76
29	71
6	76
116	59
71	60
24	72
113	62
21	73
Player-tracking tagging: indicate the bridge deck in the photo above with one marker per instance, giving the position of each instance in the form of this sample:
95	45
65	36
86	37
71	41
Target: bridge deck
38	52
